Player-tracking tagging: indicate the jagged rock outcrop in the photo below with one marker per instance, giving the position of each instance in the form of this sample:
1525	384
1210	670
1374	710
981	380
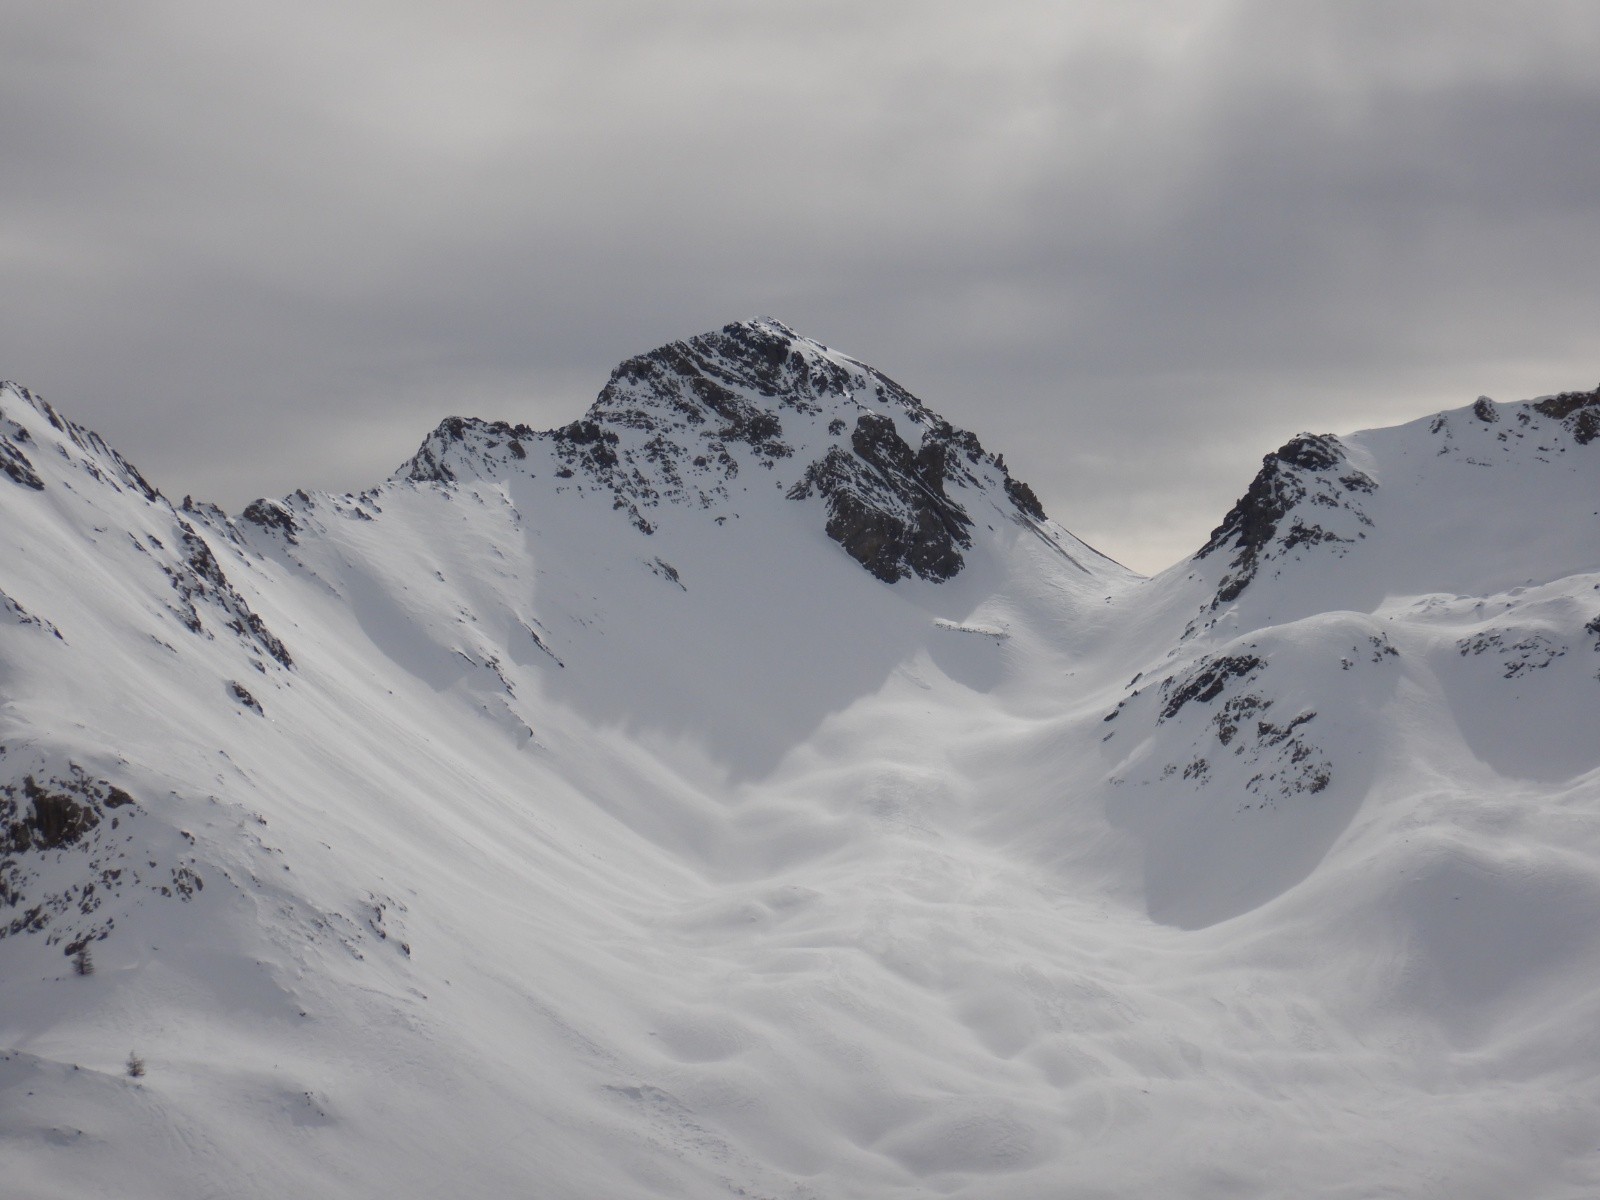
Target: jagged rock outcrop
198	576
44	816
1579	412
887	504
1273	516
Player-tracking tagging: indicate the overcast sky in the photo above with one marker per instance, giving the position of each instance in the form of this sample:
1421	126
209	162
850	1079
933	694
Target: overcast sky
1133	244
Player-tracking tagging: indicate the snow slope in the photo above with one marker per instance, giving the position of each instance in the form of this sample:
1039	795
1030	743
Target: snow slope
747	790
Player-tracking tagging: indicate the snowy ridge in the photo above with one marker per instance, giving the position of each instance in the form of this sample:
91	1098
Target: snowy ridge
569	815
1473	500
85	449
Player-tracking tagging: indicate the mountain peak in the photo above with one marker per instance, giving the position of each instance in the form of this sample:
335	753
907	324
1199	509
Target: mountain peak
1286	505
691	424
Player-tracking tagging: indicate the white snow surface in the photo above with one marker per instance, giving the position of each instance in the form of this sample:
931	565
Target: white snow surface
477	842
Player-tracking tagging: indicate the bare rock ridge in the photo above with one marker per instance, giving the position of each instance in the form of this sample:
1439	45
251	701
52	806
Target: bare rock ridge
1310	493
682	425
1275	514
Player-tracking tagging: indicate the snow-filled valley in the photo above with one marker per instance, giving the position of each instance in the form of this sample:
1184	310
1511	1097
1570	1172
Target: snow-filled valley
746	790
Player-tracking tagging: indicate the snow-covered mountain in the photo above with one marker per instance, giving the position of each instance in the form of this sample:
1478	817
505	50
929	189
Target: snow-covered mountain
747	790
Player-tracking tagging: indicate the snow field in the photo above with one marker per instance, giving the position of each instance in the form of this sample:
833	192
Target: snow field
546	868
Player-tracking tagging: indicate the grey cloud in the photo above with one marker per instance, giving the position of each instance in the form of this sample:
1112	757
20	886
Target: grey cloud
1134	246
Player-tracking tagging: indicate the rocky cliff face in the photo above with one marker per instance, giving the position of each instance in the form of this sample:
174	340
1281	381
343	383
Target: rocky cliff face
1578	412
1306	494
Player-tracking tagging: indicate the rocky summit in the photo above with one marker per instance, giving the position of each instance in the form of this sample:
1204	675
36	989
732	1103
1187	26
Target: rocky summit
681	424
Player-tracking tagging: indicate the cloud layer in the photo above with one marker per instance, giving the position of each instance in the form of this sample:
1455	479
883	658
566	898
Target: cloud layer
1133	245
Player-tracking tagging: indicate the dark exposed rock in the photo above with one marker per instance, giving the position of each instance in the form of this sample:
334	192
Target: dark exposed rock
242	694
1566	403
15	465
887	504
14	461
131	473
1312	452
10	609
1287	762
697	384
51	820
1579	411
876	440
1531	651
200	577
587	443
461	439
666	570
1483	408
1382	648
45	818
1289	476
64	861
205	510
761	356
1206	681
1022	496
545	647
891	509
1234	713
272	515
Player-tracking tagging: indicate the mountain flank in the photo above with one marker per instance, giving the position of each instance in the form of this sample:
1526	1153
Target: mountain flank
748	790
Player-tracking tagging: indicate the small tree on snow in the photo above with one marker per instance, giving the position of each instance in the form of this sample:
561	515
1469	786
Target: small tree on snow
135	1065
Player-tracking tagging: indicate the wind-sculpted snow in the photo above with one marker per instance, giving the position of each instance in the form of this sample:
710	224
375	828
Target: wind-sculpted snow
583	813
1244	762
